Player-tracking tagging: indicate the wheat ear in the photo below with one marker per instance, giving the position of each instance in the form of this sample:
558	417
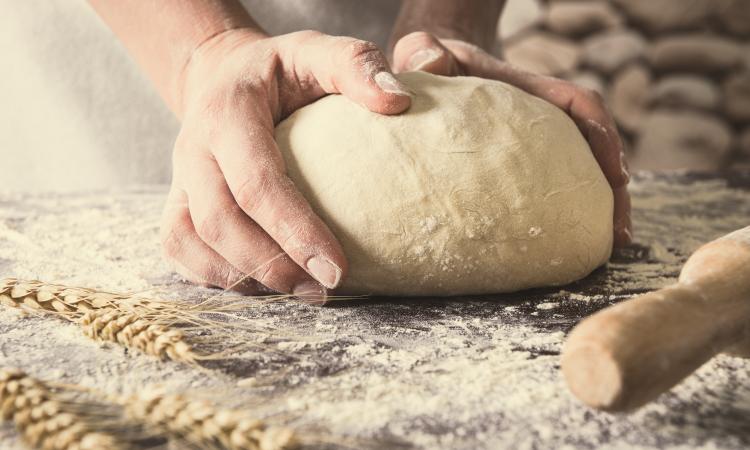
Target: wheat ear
42	420
133	331
203	425
152	326
71	301
103	316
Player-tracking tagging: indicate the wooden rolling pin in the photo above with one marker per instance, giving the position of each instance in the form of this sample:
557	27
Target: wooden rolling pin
626	355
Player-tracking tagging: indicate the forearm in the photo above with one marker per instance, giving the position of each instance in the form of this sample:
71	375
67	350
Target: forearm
473	21
162	35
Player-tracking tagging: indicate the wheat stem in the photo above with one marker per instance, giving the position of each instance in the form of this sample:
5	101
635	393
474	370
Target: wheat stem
45	422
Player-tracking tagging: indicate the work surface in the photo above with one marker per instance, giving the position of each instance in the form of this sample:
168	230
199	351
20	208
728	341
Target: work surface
458	373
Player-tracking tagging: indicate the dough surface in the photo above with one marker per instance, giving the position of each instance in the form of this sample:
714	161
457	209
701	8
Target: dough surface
478	188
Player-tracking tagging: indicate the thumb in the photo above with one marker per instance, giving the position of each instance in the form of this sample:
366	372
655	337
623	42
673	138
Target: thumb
357	69
423	51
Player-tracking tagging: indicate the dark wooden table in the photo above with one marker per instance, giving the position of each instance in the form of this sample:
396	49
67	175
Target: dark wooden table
430	373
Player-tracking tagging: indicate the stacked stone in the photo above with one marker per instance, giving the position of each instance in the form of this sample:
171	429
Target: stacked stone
675	73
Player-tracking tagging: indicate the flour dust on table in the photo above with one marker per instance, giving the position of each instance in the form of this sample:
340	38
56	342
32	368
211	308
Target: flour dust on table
456	373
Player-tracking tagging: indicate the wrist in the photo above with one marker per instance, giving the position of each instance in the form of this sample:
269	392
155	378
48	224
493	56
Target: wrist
472	21
207	56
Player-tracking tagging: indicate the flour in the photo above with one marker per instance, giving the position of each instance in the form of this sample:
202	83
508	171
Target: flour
429	225
547	305
535	231
462	374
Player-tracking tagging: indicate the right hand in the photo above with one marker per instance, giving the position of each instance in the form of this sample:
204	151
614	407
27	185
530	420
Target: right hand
451	57
232	213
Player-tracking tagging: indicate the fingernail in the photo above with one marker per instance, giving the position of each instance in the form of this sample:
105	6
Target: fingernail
326	272
423	57
388	83
310	292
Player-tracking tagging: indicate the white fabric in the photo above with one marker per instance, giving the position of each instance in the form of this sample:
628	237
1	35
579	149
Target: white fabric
75	111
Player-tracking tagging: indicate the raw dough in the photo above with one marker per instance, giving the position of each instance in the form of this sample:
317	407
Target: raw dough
478	188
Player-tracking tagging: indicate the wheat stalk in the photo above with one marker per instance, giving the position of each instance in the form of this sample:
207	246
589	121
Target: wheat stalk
38	296
121	319
48	422
44	421
155	327
199	422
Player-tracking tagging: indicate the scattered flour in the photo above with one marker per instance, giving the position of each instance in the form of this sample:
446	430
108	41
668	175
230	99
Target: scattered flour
459	374
547	305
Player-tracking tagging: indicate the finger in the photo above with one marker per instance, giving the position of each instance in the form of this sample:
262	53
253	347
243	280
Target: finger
224	227
587	110
254	171
423	51
191	257
357	69
597	125
585	107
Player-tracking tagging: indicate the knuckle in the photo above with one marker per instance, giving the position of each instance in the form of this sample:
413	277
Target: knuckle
224	276
216	108
210	274
357	50
276	274
595	97
298	232
171	242
292	236
211	229
253	191
243	283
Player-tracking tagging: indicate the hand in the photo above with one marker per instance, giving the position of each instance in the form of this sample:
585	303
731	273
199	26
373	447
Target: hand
232	213
450	57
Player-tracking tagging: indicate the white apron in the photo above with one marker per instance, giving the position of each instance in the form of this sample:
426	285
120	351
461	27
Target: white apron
77	113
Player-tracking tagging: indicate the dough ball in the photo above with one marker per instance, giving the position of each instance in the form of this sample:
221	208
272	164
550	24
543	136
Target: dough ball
478	188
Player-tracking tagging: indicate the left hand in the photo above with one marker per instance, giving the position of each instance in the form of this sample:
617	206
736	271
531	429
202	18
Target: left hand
451	57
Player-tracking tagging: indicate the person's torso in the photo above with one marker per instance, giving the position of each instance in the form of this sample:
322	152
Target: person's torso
77	113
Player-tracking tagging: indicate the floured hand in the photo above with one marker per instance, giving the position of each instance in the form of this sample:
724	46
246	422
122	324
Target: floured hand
232	212
451	57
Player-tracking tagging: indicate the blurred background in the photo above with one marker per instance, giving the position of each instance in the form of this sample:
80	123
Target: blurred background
76	113
675	73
